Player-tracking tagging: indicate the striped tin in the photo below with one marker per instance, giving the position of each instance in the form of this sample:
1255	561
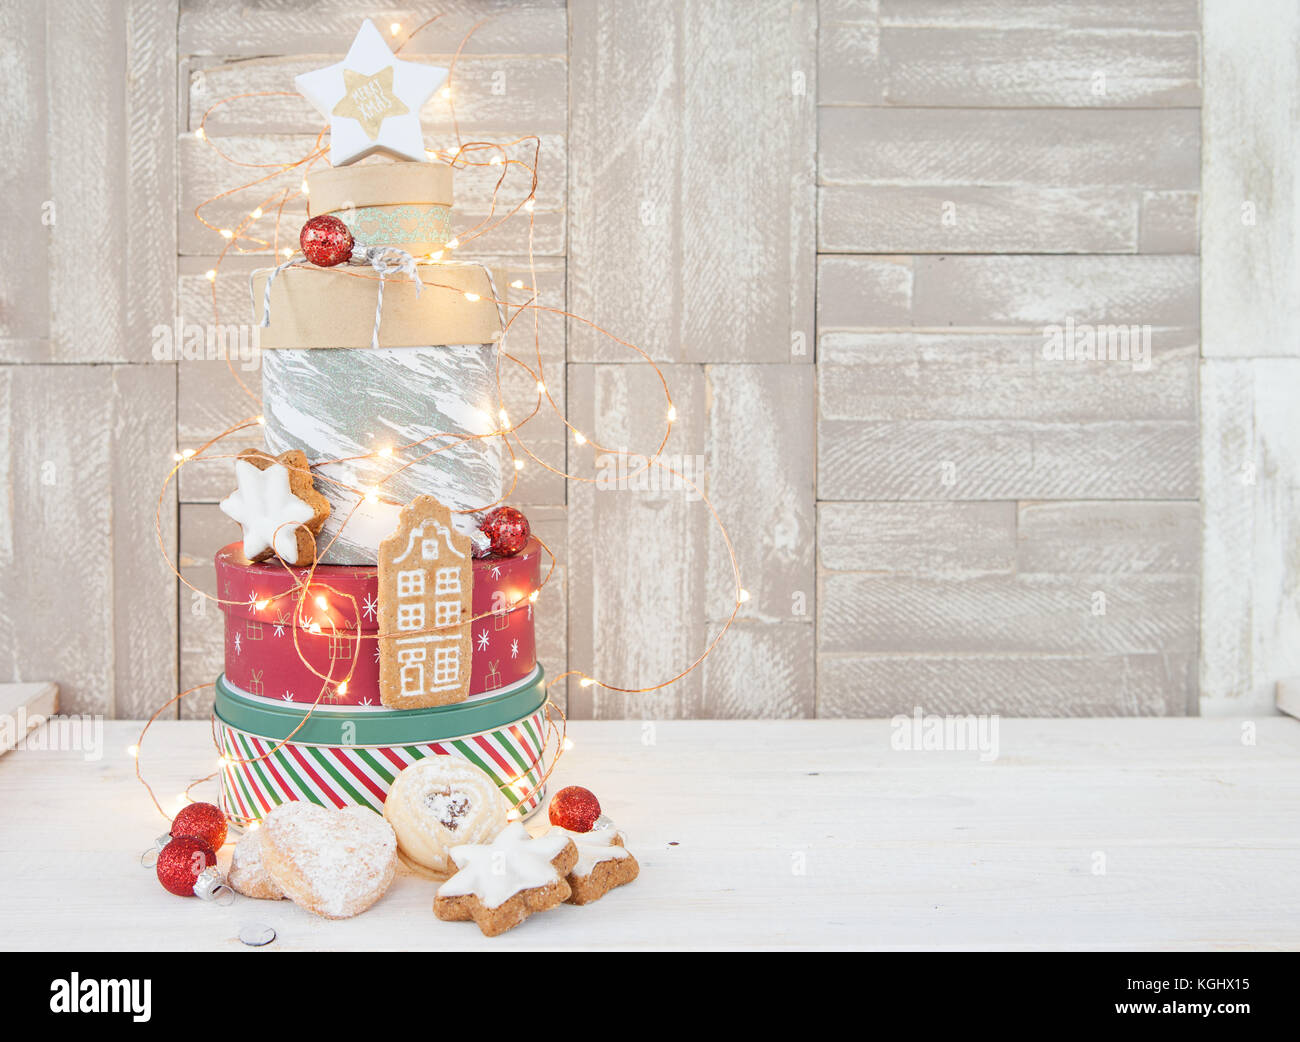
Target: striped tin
503	734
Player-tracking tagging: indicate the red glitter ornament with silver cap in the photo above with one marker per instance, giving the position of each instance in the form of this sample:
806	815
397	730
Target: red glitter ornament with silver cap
507	531
202	821
181	862
574	808
326	241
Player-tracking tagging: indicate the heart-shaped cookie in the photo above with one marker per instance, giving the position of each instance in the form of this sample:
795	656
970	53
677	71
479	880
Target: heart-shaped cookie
334	863
248	874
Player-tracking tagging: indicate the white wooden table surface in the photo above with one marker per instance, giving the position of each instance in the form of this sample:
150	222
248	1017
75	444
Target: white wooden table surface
1082	834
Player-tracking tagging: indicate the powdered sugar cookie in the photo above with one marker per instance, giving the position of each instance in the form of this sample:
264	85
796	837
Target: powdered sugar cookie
277	506
438	803
603	863
334	863
502	883
248	874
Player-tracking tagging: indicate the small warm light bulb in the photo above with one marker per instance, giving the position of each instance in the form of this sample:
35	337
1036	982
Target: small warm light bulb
445	93
517	284
187	453
587	681
473	298
386	451
372	496
452	243
210	274
505	417
262	420
541	387
533	596
672	413
395	28
579	437
226	233
201	134
343	687
494	161
305	189
519	464
322	604
529	203
287	251
261	604
133	750
256	213
437	255
744	596
568	744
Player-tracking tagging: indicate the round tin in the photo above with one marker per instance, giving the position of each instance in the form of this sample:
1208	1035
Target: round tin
346	757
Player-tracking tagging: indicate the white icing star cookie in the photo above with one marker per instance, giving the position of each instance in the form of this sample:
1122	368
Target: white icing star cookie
277	506
502	883
603	863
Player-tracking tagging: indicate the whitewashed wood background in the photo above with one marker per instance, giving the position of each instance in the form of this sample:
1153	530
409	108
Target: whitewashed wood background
841	226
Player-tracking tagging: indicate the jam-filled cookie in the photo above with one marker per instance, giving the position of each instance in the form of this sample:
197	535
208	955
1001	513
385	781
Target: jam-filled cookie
438	803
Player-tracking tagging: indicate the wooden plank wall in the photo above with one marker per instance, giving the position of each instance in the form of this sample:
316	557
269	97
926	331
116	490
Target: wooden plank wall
87	415
997	530
842	229
1250	373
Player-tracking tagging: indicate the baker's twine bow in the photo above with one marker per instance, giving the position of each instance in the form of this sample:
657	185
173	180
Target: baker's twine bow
385	260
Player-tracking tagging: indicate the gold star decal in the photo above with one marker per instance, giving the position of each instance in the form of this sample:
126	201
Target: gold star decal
370	100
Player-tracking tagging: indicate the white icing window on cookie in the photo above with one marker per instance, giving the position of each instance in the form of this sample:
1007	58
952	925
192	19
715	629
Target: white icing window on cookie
412	673
447	581
410	616
429	549
446	613
410	583
446	665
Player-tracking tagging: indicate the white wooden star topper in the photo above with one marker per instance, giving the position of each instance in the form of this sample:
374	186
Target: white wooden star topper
372	100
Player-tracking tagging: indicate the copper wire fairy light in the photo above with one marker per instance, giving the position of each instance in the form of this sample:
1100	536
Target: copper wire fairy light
242	241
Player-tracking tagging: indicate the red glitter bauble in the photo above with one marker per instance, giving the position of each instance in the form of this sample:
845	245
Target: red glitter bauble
202	821
326	241
507	529
181	861
574	808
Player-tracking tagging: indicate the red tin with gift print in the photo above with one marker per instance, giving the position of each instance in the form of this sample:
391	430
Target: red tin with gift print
286	643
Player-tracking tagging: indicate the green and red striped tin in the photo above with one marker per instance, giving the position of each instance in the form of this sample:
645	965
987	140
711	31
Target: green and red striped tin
348	756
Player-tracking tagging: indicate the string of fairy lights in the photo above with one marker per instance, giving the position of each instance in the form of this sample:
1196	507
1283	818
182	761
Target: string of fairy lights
304	588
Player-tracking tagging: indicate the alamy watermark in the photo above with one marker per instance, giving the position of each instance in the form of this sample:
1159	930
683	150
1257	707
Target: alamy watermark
631	472
83	734
1083	342
213	341
928	732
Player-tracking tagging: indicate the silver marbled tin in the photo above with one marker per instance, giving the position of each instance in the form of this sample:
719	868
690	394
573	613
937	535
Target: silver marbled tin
334	403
